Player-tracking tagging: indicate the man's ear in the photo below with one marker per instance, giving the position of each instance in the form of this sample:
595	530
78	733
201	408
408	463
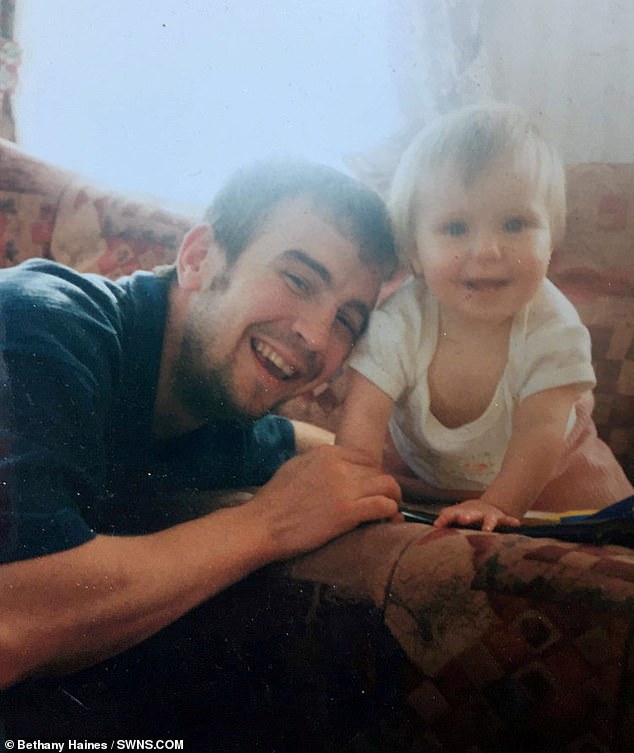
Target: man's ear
198	256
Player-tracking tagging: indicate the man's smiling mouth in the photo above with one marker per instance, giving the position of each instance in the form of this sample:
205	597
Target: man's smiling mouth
273	361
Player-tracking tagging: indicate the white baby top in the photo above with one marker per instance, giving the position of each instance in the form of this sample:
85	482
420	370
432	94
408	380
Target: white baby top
549	347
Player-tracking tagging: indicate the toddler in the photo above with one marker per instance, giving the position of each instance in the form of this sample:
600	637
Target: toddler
479	364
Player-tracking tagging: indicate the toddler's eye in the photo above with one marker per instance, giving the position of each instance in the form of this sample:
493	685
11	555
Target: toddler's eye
455	228
514	225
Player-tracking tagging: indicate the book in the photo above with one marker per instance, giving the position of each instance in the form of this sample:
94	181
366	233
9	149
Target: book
611	525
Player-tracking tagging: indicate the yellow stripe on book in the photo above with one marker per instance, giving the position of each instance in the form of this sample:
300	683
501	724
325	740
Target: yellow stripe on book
539	516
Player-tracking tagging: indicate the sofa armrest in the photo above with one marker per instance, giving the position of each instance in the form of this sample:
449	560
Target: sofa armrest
30	192
503	637
54	213
23	173
114	234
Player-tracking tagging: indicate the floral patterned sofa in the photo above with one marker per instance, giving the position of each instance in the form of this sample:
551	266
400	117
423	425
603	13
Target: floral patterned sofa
459	640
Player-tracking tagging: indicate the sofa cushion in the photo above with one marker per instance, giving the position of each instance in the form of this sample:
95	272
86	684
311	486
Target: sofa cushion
594	267
594	264
112	234
26	226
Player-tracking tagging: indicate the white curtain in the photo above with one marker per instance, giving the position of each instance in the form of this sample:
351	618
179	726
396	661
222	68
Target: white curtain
569	63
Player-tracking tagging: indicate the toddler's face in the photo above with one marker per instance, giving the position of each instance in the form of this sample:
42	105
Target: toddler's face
484	250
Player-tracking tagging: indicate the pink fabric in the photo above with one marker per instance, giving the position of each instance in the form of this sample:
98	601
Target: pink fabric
588	475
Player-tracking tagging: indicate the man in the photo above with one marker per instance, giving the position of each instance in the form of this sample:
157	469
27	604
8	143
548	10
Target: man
112	391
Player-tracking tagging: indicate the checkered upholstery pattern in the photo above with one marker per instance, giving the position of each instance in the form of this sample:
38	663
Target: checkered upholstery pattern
595	268
613	358
508	643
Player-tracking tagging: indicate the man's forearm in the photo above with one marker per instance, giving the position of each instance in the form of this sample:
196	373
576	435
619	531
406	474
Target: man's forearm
77	607
74	608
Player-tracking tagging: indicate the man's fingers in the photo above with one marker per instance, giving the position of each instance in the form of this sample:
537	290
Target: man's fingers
376	507
372	480
382	484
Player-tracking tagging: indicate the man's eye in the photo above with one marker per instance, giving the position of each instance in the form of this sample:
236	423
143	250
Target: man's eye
455	228
351	327
514	225
296	282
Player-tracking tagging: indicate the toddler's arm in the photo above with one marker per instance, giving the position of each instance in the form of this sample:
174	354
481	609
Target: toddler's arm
366	411
308	436
535	448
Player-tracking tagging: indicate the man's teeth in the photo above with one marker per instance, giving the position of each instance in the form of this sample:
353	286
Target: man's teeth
267	352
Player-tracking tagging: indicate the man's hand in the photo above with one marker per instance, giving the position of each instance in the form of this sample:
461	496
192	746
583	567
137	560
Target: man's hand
320	495
473	511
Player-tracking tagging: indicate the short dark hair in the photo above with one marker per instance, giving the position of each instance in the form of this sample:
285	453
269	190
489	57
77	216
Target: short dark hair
242	206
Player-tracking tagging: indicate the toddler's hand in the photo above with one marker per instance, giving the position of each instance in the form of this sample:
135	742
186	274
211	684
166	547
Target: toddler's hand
472	511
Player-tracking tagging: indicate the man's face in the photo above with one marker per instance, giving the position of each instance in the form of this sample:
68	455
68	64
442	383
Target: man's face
278	322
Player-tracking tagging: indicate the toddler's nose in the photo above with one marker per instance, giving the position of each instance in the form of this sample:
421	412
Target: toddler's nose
487	248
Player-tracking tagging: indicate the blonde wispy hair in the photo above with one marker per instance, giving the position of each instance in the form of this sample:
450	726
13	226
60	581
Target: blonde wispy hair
470	141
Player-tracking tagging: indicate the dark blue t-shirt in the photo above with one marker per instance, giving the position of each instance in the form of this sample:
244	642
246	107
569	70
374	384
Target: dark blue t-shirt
79	365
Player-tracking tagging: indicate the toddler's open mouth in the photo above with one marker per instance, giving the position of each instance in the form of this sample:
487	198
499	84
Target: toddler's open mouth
485	285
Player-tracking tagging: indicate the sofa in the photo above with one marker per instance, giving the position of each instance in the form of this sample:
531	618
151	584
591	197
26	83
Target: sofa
459	640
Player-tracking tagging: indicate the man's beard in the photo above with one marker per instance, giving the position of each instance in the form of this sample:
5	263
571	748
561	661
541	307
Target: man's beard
205	394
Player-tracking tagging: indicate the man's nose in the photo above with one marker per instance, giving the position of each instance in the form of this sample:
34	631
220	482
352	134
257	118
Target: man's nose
313	325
